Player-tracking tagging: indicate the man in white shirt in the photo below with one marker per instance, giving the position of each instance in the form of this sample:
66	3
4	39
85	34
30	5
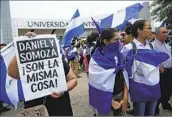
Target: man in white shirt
165	70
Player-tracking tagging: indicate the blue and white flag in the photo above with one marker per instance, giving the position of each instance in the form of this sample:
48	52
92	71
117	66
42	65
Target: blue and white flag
102	71
74	29
163	24
143	71
11	89
121	18
99	29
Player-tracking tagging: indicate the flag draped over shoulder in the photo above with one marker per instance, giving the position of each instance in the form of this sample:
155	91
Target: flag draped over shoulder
74	29
10	89
102	71
144	74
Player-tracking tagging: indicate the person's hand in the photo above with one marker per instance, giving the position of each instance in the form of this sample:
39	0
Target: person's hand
30	34
124	104
55	95
161	70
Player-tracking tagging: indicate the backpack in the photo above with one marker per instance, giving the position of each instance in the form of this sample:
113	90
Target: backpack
70	54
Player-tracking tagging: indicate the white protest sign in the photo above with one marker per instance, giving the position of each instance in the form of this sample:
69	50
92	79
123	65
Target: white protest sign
40	66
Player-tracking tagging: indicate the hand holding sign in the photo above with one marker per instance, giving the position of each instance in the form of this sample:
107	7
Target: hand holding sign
56	95
30	34
40	66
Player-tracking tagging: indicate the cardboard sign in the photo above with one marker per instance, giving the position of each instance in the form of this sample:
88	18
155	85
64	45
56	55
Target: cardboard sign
40	66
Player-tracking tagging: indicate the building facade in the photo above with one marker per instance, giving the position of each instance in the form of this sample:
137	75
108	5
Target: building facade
15	27
6	30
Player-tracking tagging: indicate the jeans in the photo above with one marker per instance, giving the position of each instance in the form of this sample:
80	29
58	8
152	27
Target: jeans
145	109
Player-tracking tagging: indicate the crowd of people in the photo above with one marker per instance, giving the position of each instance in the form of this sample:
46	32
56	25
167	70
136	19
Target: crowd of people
140	33
83	53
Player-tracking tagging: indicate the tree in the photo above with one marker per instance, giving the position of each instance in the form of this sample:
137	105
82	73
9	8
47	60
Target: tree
162	11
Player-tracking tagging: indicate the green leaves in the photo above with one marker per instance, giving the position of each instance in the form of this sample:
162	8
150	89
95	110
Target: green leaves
162	10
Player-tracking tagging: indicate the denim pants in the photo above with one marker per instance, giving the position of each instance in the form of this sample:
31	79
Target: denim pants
145	109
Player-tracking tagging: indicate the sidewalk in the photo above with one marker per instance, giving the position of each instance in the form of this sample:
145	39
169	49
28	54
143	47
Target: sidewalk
79	100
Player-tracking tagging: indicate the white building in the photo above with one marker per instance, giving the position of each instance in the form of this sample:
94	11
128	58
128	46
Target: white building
45	26
15	27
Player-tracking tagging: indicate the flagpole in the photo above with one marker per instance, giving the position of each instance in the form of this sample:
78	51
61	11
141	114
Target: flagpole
6	47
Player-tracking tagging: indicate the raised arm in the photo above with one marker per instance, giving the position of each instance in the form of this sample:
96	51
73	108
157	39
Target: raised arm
13	68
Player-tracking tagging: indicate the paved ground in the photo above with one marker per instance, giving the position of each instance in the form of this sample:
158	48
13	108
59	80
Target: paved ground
79	100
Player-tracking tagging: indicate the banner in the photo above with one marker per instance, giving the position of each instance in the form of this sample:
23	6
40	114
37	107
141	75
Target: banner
40	66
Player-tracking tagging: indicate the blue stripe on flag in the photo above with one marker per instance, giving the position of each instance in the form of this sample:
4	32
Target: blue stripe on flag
3	72
142	92
77	14
72	33
131	13
151	56
107	21
100	100
141	55
20	90
99	29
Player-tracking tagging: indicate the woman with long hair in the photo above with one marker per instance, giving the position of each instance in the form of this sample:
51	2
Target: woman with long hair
108	92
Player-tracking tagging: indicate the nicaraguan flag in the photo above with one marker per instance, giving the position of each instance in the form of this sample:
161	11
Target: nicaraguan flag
120	19
144	74
99	29
10	89
102	71
74	29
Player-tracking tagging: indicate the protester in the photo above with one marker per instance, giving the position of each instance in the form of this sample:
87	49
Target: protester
108	76
128	38
91	43
2	45
144	81
85	60
2	108
80	54
165	70
152	37
127	35
58	103
73	58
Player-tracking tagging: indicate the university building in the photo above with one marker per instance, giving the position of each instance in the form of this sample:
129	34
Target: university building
11	27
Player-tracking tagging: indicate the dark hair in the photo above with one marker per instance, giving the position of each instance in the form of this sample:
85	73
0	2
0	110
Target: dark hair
92	37
139	24
73	42
153	32
3	44
128	29
107	34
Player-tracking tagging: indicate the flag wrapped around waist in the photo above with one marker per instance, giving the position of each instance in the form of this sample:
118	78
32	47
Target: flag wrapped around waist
102	71
10	89
143	70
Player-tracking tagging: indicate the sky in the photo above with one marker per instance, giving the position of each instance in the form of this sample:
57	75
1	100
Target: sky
64	9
